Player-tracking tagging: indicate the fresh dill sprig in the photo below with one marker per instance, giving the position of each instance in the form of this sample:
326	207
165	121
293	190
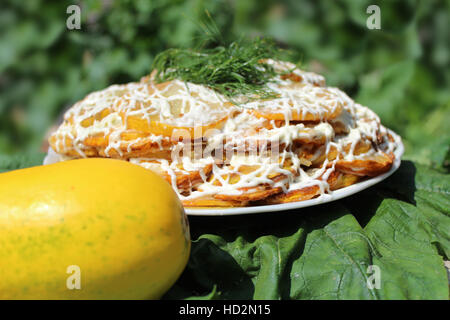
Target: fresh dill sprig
236	69
211	32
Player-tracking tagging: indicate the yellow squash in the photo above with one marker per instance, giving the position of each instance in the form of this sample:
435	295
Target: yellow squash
89	229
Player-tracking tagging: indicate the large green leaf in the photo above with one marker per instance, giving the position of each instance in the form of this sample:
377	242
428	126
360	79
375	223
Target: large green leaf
401	226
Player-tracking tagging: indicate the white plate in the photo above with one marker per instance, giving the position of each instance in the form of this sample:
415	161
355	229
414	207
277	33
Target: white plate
335	195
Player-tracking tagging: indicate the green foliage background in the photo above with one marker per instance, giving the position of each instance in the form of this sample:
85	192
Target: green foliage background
401	72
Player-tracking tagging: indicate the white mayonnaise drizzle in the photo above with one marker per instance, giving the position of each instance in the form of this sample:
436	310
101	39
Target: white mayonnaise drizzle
245	139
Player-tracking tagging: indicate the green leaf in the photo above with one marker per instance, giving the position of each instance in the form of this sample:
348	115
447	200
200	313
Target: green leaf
334	263
409	262
429	191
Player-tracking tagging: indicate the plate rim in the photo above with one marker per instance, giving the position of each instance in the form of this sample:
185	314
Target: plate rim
325	198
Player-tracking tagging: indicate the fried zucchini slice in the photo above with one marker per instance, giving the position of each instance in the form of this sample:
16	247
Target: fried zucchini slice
302	194
208	202
371	165
185	180
174	108
335	180
299	102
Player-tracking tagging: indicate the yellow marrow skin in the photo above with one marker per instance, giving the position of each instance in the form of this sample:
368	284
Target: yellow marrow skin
118	228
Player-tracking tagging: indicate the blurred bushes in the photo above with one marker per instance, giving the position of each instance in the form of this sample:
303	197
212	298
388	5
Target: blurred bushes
401	71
